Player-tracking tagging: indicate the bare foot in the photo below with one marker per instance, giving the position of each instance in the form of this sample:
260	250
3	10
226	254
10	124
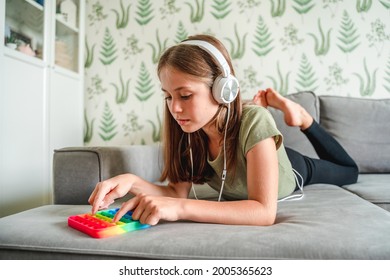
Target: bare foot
260	99
294	114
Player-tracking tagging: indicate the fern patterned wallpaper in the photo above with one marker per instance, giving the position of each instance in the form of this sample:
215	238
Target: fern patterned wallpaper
330	47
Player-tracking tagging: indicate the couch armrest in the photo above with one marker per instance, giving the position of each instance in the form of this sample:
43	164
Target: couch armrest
77	170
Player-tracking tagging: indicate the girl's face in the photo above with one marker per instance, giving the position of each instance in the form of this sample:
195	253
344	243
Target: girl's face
189	99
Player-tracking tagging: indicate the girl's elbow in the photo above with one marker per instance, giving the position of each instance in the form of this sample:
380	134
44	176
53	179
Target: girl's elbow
268	218
270	214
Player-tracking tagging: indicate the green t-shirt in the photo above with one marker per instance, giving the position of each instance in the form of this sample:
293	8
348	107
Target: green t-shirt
257	124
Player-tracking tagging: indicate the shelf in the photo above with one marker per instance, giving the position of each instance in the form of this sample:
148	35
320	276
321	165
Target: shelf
28	21
67	36
24	21
24	12
66	72
15	54
34	4
63	25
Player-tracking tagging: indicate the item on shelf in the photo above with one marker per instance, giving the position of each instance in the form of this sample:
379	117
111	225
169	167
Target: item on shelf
9	38
39	51
68	10
12	45
63	58
26	49
19	38
11	42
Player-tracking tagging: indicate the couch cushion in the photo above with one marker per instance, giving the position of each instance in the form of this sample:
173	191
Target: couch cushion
362	126
374	188
293	137
328	223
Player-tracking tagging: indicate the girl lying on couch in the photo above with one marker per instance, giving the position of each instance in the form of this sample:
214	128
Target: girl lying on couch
210	137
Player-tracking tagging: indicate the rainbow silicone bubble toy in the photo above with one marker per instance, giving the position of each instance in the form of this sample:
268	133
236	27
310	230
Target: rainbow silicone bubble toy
100	225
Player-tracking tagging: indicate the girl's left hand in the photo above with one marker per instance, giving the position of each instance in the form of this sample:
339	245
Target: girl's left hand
151	209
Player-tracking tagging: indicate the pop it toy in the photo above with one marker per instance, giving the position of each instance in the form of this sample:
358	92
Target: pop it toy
100	225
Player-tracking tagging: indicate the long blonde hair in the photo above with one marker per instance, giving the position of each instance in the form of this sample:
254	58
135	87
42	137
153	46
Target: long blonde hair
197	62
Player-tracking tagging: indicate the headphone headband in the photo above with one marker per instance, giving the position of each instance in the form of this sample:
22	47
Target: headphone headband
221	61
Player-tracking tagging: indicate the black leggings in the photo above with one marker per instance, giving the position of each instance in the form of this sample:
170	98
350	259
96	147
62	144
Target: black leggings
334	165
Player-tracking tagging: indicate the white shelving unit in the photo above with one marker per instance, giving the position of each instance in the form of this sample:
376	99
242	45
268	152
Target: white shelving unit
42	100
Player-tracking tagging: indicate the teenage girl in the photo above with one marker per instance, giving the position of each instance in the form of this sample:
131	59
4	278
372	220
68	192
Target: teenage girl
210	137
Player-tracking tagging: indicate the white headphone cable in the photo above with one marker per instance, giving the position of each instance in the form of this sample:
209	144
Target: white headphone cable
223	176
300	186
192	167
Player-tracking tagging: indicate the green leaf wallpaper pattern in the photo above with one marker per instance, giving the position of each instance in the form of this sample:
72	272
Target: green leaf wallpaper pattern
95	87
303	6
378	36
237	47
144	12
221	8
107	124
250	80
363	5
181	33
108	49
197	10
385	3
88	128
321	44
158	48
349	35
121	90
332	6
281	83
96	14
278	7
335	78
156	128
306	77
386	79
247	8
144	88
291	40
89	53
263	40
367	83
168	11
131	126
335	47
122	16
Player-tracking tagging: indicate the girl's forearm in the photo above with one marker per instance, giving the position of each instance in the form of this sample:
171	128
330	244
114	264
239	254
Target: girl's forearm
244	212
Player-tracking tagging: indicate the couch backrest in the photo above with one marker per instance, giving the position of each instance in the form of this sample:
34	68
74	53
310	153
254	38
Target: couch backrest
362	126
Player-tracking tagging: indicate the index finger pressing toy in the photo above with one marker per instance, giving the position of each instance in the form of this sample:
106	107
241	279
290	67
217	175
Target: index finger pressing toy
100	225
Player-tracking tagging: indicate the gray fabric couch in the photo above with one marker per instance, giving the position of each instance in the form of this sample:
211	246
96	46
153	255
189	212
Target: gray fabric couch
330	222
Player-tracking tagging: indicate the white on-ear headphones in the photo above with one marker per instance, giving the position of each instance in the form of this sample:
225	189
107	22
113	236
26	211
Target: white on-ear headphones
225	87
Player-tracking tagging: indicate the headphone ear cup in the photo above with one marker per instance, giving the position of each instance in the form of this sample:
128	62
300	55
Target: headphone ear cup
225	89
